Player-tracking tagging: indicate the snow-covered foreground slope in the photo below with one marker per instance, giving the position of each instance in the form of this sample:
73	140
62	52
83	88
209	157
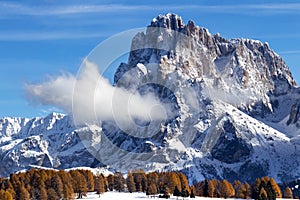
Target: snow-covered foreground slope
130	196
232	111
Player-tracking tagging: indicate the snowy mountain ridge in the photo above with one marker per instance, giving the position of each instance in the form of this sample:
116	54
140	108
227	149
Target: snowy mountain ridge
235	113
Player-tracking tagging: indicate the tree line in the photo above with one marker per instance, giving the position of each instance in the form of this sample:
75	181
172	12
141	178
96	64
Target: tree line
40	184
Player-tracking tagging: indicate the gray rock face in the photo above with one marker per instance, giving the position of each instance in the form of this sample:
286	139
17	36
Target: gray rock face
229	147
251	69
294	115
242	73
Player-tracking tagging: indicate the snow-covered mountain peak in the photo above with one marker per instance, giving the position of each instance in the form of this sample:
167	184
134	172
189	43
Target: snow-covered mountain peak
243	73
170	21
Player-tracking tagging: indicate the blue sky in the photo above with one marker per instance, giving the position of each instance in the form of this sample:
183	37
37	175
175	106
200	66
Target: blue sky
43	38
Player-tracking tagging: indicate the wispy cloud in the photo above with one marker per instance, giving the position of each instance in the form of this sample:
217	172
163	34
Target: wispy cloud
281	6
289	52
23	9
36	36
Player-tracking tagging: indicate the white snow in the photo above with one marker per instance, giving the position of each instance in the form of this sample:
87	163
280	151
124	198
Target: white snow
132	196
142	68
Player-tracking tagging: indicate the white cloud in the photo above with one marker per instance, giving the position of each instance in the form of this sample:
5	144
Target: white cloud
57	91
91	97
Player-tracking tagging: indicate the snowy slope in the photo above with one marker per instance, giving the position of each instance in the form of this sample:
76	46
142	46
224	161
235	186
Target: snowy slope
232	112
131	196
128	196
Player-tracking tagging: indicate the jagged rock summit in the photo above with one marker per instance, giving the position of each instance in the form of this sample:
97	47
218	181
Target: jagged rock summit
234	112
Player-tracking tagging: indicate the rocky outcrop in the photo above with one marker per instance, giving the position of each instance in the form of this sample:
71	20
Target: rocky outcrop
294	115
242	73
230	148
247	68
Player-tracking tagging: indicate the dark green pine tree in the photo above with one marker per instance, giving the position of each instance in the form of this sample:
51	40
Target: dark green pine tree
192	195
185	193
256	188
176	192
205	188
270	191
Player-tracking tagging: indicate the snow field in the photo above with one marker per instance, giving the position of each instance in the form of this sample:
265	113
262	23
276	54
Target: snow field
131	196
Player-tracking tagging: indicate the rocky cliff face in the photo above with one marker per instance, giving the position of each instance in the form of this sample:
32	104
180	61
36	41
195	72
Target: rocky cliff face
242	67
233	112
219	73
294	115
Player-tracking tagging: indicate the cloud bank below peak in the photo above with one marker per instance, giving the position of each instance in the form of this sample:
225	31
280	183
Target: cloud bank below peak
90	97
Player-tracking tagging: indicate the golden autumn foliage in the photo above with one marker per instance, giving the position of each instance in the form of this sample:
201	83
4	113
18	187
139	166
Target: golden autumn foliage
276	188
130	183
288	194
140	179
226	189
23	194
100	184
119	182
5	195
263	195
89	177
184	182
79	183
239	189
211	187
247	191
152	189
152	178
42	184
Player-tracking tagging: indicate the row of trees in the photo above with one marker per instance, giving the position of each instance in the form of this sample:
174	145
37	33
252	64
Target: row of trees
153	183
54	185
47	184
263	188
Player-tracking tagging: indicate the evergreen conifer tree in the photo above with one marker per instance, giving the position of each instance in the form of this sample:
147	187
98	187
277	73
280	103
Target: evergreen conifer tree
110	182
192	195
176	192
